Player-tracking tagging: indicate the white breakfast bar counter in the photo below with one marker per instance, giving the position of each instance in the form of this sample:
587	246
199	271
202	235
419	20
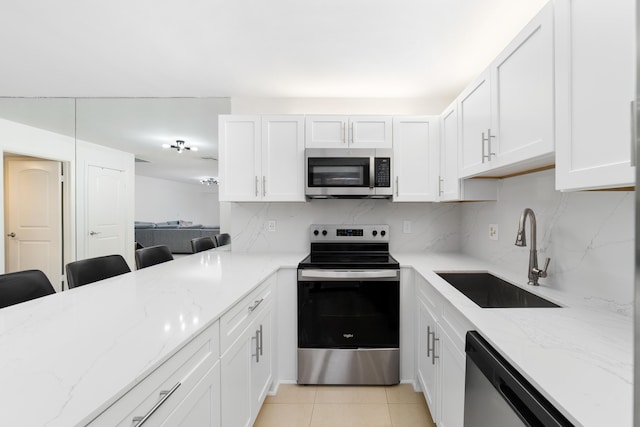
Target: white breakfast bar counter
67	357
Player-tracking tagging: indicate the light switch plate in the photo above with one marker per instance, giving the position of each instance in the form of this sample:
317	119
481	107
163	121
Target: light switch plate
271	225
406	227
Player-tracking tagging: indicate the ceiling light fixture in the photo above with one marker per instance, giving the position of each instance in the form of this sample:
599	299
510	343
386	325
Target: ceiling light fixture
180	146
210	181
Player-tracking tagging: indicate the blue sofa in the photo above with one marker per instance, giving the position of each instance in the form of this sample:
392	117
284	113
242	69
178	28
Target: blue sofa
176	235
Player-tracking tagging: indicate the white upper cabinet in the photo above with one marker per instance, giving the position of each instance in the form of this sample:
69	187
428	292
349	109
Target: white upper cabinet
415	157
240	157
523	93
261	158
450	187
283	158
348	131
595	73
474	109
506	116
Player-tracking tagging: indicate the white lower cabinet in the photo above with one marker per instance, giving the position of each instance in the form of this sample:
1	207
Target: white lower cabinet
184	390
440	355
247	363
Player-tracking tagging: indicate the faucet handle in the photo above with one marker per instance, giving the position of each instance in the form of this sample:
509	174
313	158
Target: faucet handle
543	272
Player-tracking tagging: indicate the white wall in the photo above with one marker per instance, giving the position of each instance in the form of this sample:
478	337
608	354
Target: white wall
589	237
159	200
392	106
434	225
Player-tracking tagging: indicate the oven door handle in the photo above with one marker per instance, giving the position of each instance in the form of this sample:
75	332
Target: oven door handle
350	274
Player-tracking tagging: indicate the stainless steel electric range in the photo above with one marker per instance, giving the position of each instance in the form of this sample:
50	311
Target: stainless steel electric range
349	307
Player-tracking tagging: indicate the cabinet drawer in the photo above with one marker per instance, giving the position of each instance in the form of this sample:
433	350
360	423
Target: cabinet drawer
425	291
455	324
236	320
179	374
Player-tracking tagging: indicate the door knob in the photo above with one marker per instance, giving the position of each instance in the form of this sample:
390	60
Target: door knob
93	233
12	234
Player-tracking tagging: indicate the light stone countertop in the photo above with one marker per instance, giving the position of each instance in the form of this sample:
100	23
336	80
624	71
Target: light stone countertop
66	357
579	357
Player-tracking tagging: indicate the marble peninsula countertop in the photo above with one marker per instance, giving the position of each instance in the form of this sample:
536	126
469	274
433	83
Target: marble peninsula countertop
66	357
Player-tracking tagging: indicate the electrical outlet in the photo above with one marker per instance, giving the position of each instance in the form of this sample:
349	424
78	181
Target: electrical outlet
493	231
406	227
271	225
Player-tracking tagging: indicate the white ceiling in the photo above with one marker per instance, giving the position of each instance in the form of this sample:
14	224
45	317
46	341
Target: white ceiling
241	48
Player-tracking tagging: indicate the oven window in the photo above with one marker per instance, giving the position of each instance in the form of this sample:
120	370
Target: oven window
338	172
349	314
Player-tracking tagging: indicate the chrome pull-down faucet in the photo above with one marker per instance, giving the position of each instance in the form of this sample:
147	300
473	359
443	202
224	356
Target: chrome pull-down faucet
521	240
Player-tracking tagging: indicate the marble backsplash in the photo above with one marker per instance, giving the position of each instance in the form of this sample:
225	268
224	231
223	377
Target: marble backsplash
588	235
434	226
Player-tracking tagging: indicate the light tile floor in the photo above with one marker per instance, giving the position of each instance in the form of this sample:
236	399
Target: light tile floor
345	406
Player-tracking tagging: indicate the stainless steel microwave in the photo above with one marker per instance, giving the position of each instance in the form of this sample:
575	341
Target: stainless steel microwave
346	172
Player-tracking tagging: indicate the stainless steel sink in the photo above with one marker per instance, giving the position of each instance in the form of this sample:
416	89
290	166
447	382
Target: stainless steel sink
489	291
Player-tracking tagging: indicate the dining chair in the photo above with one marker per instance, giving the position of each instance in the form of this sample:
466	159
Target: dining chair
200	244
91	270
22	286
223	239
152	255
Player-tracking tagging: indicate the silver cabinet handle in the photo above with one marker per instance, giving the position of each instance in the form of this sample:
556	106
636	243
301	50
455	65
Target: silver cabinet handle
260	335
440	182
428	340
487	140
257	355
12	234
93	233
344	133
397	188
634	132
351	133
433	349
257	187
164	395
255	305
264	186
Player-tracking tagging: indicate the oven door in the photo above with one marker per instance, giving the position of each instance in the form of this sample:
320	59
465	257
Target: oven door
347	309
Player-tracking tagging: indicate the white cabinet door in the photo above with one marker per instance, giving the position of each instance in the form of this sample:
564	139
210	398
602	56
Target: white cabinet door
240	158
415	157
427	364
523	96
449	184
370	132
452	364
283	158
346	131
474	109
262	359
202	406
595	74
326	131
236	382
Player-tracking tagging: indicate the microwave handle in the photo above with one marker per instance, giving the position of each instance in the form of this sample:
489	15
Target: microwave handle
372	174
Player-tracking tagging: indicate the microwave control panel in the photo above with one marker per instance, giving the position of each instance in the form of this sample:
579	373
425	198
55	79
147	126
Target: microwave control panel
382	172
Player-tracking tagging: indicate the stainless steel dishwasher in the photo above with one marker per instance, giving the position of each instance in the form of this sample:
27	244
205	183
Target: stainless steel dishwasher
496	395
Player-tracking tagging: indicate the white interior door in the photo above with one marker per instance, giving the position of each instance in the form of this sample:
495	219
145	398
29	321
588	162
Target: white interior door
33	217
106	212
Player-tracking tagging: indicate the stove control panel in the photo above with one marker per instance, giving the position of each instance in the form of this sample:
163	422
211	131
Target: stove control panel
349	232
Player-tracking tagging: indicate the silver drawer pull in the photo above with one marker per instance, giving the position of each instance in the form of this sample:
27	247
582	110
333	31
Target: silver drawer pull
164	395
255	304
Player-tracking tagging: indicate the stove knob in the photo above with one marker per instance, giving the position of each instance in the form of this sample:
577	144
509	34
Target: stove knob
324	232
375	233
316	232
382	233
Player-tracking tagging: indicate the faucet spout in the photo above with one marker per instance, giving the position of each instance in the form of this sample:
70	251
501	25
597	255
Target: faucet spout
534	272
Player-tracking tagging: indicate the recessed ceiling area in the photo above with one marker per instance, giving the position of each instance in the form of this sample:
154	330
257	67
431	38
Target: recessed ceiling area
242	48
